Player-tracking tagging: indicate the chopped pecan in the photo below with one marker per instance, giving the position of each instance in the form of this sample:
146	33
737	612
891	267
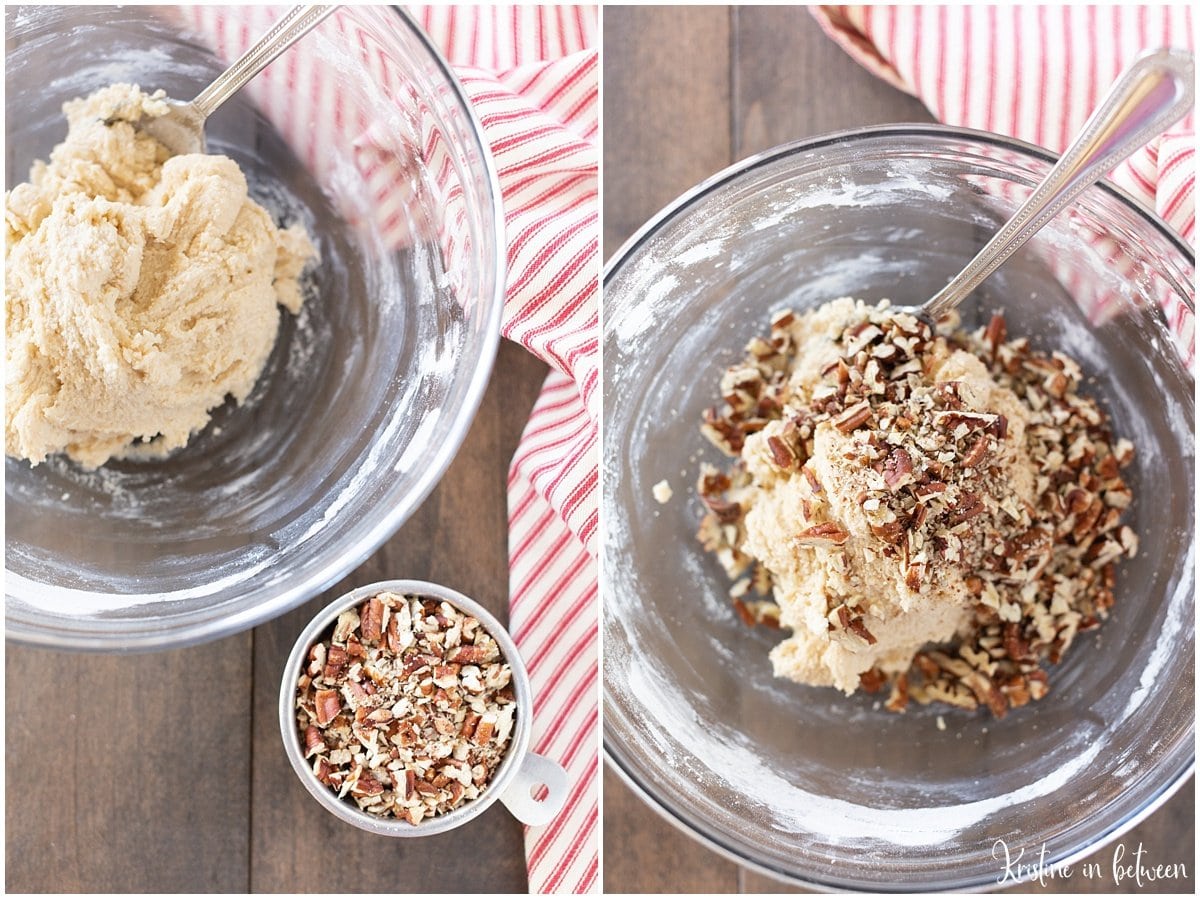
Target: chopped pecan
783	457
371	616
413	713
853	417
898	469
1016	647
995	334
485	729
725	511
470	722
914	575
872	680
811	476
313	743
336	661
859	629
367	786
976	453
469	655
328	704
968	506
744	612
825	534
322	769
889	532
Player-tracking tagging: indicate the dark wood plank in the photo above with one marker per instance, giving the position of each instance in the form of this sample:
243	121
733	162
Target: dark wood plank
790	81
667	118
666	109
644	853
128	773
458	538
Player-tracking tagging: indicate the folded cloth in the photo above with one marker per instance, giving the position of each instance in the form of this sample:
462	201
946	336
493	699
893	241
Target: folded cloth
1031	72
531	74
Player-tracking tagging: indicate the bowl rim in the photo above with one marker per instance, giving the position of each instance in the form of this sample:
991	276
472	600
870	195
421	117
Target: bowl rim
710	841
519	745
850	135
612	755
290	595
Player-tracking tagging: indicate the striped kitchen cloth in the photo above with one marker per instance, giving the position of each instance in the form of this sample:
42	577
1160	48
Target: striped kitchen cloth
1031	72
531	73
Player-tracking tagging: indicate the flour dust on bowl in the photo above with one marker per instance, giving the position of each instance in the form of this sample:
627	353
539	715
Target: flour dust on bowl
804	783
368	392
405	709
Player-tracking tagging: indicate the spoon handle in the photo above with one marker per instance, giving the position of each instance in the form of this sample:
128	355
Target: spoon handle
1150	96
294	24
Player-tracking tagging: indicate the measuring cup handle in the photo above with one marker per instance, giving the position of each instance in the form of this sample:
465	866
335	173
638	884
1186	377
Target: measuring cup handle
536	770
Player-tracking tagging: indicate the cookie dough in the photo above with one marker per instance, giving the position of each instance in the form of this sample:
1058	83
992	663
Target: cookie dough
901	607
931	509
141	289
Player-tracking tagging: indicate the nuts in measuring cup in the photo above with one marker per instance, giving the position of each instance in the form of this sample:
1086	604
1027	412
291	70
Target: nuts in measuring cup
407	707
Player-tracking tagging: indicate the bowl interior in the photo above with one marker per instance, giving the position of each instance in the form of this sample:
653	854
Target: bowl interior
369	390
800	781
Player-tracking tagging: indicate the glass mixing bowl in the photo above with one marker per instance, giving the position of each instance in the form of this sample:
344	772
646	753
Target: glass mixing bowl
370	390
804	783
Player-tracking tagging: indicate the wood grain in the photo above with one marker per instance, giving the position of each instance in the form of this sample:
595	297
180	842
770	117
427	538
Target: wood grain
666	108
166	772
687	92
645	853
458	538
790	82
128	773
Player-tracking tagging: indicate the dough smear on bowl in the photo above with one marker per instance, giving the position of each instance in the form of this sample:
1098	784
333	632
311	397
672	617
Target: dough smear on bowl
141	289
930	509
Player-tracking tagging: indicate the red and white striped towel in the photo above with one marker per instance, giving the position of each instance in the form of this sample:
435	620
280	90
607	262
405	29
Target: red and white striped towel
1034	72
531	73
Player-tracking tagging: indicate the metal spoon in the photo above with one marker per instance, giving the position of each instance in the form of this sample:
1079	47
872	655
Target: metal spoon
181	130
1150	96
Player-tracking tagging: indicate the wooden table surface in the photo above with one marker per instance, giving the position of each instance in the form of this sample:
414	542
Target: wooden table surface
688	91
166	773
